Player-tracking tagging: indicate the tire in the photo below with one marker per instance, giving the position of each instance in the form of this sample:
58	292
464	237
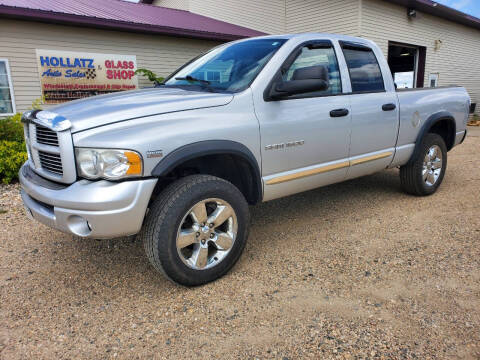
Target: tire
412	175
172	222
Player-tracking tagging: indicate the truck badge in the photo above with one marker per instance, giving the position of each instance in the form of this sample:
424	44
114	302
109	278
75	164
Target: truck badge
154	154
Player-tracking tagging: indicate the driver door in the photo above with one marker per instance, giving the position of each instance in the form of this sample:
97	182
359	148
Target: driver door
305	137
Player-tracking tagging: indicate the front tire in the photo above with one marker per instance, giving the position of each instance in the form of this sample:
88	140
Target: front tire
423	175
196	229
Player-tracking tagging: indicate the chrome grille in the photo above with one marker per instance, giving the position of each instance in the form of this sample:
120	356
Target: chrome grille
50	146
46	136
51	162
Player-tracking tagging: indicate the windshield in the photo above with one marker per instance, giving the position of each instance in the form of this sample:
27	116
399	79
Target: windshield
229	68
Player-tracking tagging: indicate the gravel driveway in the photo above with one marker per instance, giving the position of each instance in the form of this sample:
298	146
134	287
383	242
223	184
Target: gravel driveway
353	270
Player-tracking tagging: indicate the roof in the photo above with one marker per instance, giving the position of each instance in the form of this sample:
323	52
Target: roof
445	12
123	15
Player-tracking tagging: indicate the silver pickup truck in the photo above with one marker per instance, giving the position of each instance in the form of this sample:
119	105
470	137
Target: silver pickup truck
248	121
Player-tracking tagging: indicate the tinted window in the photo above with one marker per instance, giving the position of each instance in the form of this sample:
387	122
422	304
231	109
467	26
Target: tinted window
231	67
317	56
365	73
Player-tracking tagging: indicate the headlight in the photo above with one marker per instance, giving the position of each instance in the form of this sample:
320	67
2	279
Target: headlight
108	163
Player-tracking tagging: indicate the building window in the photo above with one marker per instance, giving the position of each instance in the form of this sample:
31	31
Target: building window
7	103
213	76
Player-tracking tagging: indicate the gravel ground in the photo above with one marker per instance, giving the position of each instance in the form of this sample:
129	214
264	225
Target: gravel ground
354	271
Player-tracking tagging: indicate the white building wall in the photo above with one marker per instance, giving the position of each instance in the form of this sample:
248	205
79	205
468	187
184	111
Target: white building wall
263	15
332	16
174	4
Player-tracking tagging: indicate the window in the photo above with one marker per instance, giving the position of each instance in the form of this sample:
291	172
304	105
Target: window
230	67
315	55
7	104
213	76
365	73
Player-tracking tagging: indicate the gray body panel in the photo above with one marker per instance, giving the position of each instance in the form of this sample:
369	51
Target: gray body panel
427	102
107	109
323	149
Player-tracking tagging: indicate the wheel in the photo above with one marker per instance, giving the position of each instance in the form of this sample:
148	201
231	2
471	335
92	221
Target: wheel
196	229
425	173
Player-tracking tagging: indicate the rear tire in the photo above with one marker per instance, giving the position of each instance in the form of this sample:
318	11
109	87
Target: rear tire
423	175
196	229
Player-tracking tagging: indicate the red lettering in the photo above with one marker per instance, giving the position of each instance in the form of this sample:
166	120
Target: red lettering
131	73
119	64
109	72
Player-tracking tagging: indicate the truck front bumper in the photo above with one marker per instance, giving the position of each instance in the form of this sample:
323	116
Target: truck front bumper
96	209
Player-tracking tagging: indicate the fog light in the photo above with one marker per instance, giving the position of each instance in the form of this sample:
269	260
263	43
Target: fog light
78	225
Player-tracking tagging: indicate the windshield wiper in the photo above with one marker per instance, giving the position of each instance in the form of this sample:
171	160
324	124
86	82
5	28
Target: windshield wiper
191	78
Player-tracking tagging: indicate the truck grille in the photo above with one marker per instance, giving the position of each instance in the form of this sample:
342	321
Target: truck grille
51	162
50	153
46	136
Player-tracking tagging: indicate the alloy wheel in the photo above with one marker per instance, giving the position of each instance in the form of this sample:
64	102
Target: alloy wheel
432	165
206	234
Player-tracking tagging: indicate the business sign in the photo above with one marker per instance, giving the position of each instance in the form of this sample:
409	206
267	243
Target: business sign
70	75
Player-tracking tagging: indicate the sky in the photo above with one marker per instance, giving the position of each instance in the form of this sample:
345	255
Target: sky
471	7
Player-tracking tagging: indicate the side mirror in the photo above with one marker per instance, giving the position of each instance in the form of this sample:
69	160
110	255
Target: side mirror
304	80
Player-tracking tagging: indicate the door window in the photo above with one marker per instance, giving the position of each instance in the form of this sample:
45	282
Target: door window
365	73
312	55
7	106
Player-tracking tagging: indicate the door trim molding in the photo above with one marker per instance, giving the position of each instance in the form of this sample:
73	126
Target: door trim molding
370	158
305	173
321	169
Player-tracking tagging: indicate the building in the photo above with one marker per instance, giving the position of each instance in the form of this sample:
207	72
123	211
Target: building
427	44
47	37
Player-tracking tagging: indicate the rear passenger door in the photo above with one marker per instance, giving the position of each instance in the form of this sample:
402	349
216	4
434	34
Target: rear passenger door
374	109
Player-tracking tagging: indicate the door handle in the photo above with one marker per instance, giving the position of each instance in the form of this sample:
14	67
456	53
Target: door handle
389	107
339	112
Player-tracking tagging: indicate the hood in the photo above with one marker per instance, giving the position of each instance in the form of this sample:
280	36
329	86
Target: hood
107	109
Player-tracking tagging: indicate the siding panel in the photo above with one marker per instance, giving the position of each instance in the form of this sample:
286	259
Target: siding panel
263	15
174	4
331	16
19	39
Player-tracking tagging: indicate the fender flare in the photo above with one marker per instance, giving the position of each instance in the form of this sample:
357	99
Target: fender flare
210	147
429	123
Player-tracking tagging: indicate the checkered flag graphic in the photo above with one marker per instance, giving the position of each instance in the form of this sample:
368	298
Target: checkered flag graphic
90	74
